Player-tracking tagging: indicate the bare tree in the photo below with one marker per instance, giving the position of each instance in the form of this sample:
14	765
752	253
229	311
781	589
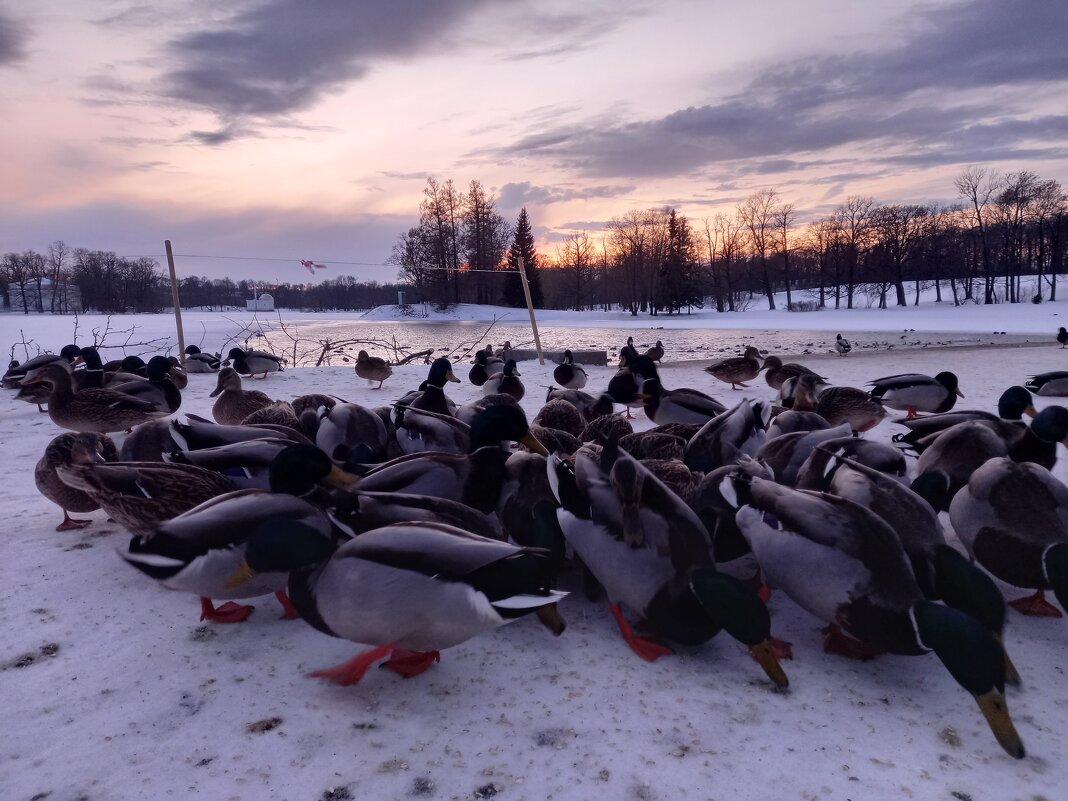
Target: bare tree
900	230
854	218
757	214
784	220
977	186
577	258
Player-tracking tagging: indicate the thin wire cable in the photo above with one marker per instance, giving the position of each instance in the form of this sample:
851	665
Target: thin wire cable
318	261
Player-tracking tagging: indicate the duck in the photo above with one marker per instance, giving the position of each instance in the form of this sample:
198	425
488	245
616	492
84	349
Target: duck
841	345
589	406
839	404
601	429
625	386
18	372
723	439
421	587
351	432
1013	404
158	389
1012	518
502	352
486	365
439	375
1062	336
656	352
790	420
736	370
93	376
279	413
1053	384
233	403
254	362
654	557
422	426
141	495
677	405
474	478
35	393
91	410
786	454
941	571
246	464
953	456
198	362
560	415
506	382
196	433
653	444
62	451
203	550
915	392
845	565
777	372
177	374
788	390
468	411
568	374
818	470
372	368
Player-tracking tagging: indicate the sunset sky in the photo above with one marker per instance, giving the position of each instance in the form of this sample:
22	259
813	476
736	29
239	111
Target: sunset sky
307	128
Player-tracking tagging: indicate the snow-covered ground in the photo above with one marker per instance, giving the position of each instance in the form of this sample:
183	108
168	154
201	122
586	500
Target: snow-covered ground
111	688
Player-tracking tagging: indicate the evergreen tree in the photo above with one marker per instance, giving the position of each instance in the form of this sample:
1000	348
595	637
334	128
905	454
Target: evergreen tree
679	285
522	246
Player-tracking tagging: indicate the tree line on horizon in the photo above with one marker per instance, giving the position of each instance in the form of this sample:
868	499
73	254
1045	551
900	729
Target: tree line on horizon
647	261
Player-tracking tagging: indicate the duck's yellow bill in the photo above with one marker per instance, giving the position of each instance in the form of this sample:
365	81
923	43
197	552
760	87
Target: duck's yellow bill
765	657
992	705
532	443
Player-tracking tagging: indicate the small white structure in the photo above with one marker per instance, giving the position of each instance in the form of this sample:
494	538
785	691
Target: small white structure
264	302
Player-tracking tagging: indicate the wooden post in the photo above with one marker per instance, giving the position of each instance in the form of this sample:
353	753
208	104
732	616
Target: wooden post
530	308
177	303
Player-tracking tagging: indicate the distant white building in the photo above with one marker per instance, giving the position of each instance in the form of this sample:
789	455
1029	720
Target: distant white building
67	298
264	302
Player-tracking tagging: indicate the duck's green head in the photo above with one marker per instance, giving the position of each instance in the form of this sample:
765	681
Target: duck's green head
975	659
158	367
1055	565
1051	424
950	381
235	353
299	468
741	613
503	422
441	372
1014	403
280	546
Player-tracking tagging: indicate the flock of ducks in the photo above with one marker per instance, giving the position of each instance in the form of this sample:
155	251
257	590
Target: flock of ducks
416	525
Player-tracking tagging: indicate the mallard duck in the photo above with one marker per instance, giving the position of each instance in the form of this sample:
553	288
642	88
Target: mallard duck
777	372
474	478
468	412
1013	519
656	352
234	404
784	455
196	433
625	386
652	444
420	429
503	350
19	372
419	588
788	390
203	551
955	454
554	440
158	389
568	374
93	376
351	432
790	420
246	464
739	431
915	392
527	507
1062	336
1049	385
372	368
841	345
486	365
601	429
279	413
818	470
845	565
141	495
562	416
506	382
839	404
664	406
197	362
941	571
310	408
439	375
589	406
736	370
653	556
1013	404
148	442
62	451
254	362
91	410
177	373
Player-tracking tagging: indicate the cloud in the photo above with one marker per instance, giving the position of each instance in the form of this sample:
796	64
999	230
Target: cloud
13	37
517	195
953	68
281	56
